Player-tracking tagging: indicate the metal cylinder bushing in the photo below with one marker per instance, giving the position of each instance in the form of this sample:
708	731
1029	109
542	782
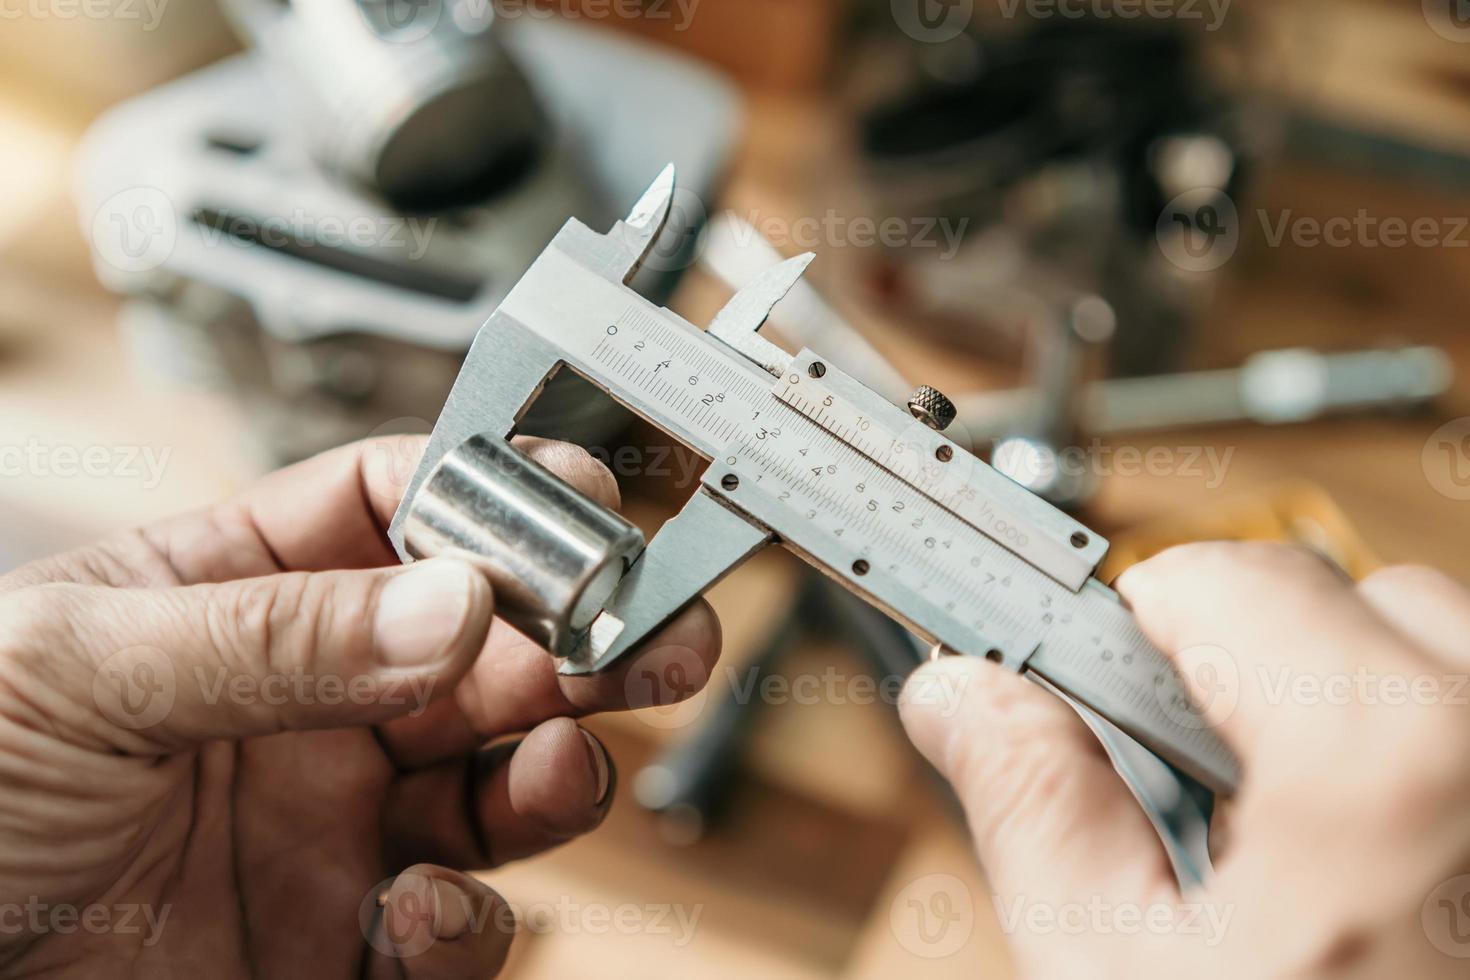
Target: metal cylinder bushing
553	555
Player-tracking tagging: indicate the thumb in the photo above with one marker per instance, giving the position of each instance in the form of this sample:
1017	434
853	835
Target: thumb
156	669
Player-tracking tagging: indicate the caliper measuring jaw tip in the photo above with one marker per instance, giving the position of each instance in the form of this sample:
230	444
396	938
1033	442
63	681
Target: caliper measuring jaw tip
872	494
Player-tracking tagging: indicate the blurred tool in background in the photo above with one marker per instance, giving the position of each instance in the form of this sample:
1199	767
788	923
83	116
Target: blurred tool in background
1058	146
323	224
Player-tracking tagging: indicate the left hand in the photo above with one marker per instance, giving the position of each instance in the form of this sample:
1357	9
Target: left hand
243	730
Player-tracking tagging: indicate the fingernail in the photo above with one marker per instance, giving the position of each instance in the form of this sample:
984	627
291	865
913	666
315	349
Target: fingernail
422	612
451	911
599	765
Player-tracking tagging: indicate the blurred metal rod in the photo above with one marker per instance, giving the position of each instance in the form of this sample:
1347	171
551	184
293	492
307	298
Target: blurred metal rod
1272	388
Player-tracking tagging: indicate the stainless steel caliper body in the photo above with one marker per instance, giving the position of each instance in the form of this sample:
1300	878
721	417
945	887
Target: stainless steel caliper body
802	455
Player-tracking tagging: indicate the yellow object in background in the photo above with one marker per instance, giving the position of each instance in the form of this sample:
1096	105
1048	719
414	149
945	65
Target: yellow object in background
1297	513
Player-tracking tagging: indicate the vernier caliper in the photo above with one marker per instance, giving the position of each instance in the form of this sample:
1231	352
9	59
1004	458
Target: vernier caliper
801	454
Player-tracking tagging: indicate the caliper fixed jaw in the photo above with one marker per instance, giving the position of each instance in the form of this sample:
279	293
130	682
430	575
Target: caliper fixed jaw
553	554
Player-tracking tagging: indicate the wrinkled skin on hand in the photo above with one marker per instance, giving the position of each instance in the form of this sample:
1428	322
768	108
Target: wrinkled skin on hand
1346	852
246	742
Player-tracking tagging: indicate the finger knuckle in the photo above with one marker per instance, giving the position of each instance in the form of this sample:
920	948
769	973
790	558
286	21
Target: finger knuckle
260	624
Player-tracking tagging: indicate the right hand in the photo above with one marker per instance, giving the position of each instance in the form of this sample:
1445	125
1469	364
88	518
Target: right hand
1346	852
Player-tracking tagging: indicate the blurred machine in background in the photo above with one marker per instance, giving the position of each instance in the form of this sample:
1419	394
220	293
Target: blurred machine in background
322	225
